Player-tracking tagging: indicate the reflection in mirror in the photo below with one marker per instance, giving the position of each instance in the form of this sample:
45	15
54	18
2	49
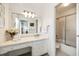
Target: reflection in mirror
26	25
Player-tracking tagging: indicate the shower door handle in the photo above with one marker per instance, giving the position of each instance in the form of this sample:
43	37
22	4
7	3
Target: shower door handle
77	35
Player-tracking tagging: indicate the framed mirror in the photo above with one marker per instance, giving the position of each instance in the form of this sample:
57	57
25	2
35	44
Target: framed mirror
26	25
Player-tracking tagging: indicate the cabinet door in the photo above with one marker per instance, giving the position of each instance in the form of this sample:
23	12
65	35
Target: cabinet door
39	48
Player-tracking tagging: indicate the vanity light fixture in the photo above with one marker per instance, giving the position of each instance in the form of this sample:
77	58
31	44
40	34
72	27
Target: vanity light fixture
28	14
66	4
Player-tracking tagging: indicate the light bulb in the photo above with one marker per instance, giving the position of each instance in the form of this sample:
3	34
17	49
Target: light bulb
29	15
33	15
26	14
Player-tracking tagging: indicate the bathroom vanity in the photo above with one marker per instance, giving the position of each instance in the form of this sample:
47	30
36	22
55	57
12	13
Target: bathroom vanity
38	45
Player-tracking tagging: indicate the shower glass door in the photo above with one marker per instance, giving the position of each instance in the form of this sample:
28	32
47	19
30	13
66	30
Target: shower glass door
70	32
60	28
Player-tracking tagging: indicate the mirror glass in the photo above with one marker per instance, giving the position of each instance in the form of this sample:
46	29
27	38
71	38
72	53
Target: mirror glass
26	25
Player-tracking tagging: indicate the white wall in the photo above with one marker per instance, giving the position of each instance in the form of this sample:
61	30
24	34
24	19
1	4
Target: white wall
33	7
48	17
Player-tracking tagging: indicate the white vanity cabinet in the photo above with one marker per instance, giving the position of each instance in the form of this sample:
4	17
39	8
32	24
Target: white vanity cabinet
39	47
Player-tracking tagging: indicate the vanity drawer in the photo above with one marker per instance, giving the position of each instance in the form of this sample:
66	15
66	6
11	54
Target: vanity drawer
19	46
3	51
16	46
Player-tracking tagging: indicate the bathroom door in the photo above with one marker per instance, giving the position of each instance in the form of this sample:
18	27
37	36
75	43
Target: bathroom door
71	30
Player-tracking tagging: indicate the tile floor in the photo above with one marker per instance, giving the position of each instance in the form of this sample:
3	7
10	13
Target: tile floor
60	53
